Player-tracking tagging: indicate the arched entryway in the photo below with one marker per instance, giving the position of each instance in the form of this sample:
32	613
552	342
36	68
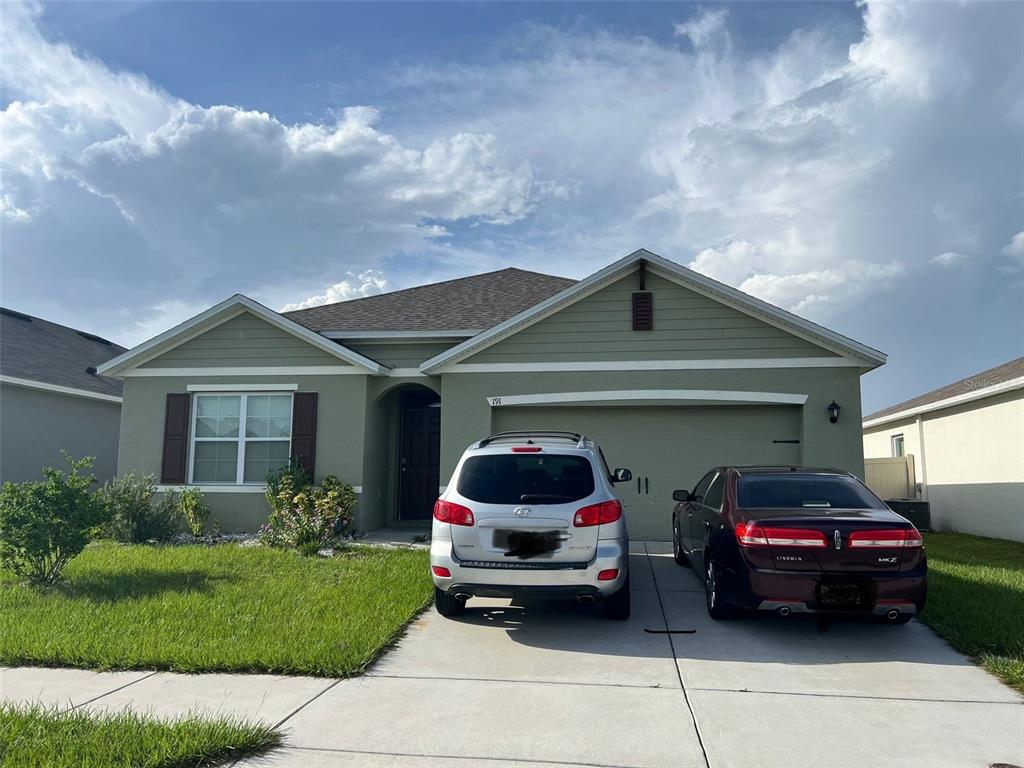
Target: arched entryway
409	416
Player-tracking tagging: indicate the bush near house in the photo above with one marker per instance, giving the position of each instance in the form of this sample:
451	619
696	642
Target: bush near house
976	600
195	510
43	525
136	515
43	737
304	517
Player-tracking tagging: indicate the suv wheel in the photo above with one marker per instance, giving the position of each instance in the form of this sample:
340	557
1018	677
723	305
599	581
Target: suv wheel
717	608
448	605
617	606
677	548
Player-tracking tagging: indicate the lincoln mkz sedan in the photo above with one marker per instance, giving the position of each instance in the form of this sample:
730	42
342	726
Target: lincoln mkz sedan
796	540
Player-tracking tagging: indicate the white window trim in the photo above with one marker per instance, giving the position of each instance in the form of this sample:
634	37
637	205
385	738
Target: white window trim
892	444
241	440
233	388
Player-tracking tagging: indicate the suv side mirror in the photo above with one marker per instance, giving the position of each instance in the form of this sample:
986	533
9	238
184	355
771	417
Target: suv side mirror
621	475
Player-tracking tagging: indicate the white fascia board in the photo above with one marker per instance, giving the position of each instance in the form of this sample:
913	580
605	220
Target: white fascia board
655	365
58	389
249	370
241	388
688	278
398	337
949	402
648	396
413	373
221	313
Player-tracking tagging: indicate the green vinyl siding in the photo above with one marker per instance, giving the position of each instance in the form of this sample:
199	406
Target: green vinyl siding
399	355
244	340
686	326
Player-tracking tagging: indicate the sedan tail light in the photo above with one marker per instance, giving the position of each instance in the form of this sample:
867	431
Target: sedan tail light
757	535
888	538
456	514
597	514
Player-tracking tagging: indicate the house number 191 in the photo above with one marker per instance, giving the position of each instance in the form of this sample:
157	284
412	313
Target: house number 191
495	401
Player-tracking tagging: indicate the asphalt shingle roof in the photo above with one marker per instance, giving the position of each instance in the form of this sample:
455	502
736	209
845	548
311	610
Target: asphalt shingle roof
1011	370
466	303
38	350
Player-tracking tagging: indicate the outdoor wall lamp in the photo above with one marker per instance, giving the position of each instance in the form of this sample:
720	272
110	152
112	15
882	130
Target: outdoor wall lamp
833	411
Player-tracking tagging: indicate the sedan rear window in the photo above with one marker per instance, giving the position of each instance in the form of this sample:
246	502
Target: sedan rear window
534	478
806	491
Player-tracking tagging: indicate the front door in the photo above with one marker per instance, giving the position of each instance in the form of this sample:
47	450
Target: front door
419	462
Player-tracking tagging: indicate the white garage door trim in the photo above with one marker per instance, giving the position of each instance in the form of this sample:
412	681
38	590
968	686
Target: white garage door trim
646	396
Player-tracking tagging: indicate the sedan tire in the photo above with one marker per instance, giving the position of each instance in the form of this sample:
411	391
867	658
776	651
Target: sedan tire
677	548
717	608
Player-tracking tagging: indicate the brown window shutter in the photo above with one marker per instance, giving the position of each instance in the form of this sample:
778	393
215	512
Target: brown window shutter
643	311
304	430
173	466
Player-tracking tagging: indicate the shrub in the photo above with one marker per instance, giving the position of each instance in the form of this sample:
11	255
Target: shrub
195	510
304	517
45	524
134	515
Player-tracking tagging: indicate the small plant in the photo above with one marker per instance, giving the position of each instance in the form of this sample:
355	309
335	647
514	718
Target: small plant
45	524
135	515
195	510
303	517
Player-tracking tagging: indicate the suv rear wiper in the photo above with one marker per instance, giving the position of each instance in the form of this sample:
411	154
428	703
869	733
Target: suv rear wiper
526	497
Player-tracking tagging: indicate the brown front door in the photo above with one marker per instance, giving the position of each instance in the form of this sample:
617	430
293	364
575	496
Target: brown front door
419	462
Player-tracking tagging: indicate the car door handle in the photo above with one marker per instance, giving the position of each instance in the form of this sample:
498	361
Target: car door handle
707	525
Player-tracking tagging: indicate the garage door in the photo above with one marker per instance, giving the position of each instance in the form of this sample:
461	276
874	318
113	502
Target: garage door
668	447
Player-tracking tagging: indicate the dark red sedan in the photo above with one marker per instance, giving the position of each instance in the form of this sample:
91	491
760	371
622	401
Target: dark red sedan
798	540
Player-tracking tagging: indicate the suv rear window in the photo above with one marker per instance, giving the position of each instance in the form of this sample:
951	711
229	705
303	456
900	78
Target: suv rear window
537	478
807	491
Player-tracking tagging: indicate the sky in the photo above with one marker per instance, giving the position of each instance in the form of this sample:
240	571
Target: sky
861	165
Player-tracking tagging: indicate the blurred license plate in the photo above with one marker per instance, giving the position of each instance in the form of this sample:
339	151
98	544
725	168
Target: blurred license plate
526	543
841	594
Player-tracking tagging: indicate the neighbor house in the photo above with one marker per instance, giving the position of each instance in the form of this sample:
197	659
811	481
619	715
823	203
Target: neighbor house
670	371
967	444
51	398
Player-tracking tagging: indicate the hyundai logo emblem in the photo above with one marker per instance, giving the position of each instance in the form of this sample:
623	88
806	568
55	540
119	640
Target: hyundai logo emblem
521	511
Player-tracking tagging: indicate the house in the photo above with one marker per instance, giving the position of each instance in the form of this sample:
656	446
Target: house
967	444
670	371
51	398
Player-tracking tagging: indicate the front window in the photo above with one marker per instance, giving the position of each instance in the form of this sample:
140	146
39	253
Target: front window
791	491
897	445
535	478
240	438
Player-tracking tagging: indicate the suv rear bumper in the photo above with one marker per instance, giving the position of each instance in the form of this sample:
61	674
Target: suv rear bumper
558	580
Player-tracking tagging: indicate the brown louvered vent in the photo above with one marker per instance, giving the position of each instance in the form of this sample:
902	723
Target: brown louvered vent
643	311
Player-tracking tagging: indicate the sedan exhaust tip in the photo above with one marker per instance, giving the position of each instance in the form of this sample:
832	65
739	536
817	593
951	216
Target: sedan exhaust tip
785	610
892	615
584	599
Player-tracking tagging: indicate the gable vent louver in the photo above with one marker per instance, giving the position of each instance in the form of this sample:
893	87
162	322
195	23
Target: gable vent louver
643	311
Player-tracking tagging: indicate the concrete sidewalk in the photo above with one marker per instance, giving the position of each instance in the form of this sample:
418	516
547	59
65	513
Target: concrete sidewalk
558	685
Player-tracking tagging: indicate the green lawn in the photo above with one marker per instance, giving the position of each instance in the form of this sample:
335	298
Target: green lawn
976	600
219	608
46	738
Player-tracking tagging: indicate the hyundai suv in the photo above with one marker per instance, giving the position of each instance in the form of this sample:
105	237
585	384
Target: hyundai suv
531	514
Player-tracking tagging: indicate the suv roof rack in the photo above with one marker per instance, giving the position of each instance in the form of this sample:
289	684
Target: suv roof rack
527	435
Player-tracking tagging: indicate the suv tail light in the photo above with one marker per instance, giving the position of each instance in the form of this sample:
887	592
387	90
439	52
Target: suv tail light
889	538
456	514
757	535
597	514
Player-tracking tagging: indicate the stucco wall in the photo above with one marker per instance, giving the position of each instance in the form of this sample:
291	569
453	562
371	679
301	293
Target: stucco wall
35	425
972	464
340	433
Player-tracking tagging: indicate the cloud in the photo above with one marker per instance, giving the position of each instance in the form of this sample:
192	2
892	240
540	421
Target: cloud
367	283
1015	249
950	259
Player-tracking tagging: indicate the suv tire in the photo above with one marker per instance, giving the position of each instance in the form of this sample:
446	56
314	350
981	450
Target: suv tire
448	605
616	607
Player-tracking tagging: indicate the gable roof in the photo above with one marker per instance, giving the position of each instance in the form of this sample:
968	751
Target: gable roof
220	313
762	310
35	350
464	304
990	382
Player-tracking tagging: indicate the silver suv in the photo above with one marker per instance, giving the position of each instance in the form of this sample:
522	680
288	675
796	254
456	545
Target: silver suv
531	514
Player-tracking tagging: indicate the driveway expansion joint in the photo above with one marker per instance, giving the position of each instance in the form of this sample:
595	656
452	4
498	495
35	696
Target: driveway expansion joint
858	696
115	690
521	681
485	758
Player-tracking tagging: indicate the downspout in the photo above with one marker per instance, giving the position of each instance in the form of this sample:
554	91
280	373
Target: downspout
924	464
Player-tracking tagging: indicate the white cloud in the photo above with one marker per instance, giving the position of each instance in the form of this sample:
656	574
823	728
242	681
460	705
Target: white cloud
1015	249
366	283
950	259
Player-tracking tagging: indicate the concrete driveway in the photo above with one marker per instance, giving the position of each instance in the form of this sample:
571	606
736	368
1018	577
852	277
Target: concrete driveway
558	685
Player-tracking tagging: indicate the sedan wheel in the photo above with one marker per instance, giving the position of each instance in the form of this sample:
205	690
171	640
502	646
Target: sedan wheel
712	591
677	548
